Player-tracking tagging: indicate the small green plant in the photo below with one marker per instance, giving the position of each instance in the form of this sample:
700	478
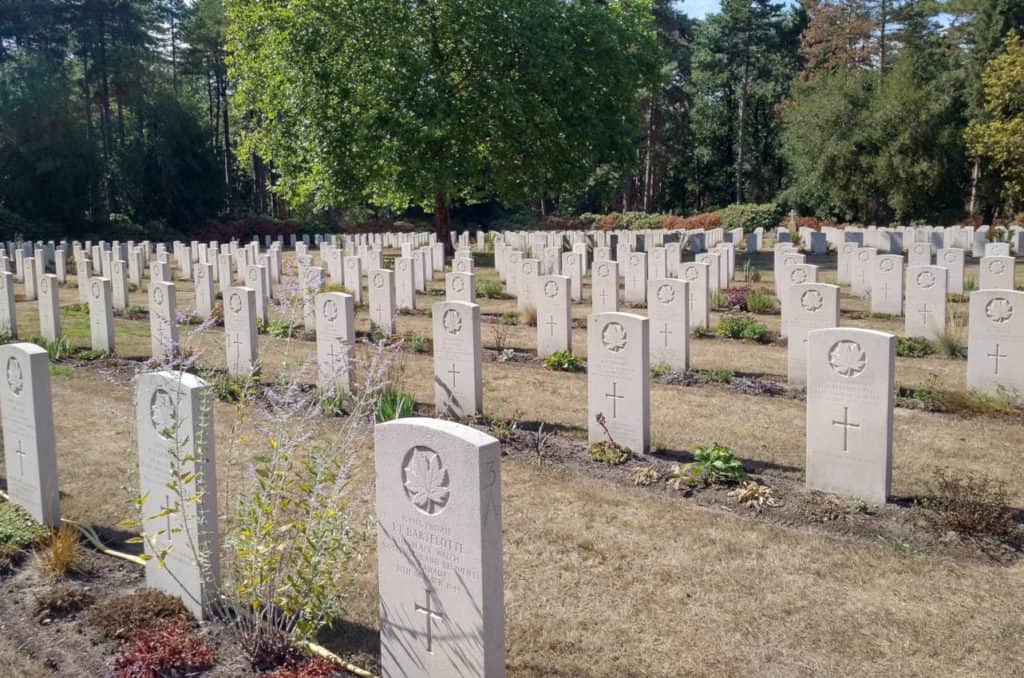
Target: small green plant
504	429
507	355
760	302
76	310
563	361
913	347
17	529
233	388
897	545
418	344
857	505
283	329
714	464
491	289
56	350
509	319
134	312
701	332
970	283
737	326
720	300
394	404
660	370
608	451
715	376
90	354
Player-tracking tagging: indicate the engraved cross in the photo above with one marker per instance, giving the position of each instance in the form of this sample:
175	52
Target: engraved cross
21	459
429	616
615	398
551	325
997	355
453	372
665	332
845	423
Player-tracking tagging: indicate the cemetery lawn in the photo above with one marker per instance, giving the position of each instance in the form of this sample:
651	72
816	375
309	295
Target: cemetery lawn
603	578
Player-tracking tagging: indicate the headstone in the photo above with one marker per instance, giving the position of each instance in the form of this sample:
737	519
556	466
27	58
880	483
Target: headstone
919	254
618	374
29	443
860	271
405	285
554	322
30	279
163	320
240	330
952	259
354	278
996	273
846	251
458	386
604	287
995	359
697	276
335	341
382	300
49	307
925	311
668	309
178	485
101	315
572	266
713	262
8	314
887	284
636	279
439	546
460	287
204	291
809	306
850	392
312	283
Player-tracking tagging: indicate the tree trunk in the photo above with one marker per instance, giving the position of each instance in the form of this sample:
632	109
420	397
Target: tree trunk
649	164
741	139
259	187
442	220
975	175
883	21
223	94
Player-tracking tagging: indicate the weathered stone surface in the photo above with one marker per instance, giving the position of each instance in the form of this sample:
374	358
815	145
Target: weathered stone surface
668	310
554	324
604	287
697	276
809	306
995	356
458	389
240	330
925	310
335	340
618	379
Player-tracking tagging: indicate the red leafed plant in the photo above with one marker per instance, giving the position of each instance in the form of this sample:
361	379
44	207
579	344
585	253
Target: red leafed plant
738	296
170	650
318	667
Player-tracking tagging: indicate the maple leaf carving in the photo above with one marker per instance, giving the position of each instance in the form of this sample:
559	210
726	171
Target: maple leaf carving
847	358
426	481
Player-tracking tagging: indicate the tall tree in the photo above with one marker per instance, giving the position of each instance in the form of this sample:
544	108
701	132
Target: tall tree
427	103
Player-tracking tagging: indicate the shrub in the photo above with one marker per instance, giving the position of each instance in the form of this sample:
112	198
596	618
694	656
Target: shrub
62	601
608	451
703	221
660	370
609	221
913	347
712	465
233	387
504	429
393	405
759	301
418	344
284	329
970	283
737	326
56	350
318	667
63	554
169	650
509	319
143	610
17	529
749	217
563	361
969	504
716	376
491	288
737	296
949	345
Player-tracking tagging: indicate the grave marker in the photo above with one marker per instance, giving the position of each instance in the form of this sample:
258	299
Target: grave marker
668	304
458	388
618	374
240	330
554	323
925	311
335	341
809	306
995	360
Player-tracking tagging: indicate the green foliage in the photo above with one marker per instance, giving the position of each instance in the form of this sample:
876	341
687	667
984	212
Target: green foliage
736	326
999	136
749	217
913	347
504	429
701	332
491	288
716	376
75	310
660	370
233	388
416	82
509	319
760	302
949	344
59	349
418	344
609	452
18	530
563	361
711	465
393	405
284	329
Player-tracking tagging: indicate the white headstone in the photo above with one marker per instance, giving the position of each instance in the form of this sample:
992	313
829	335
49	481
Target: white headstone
604	287
8	315
697	277
381	288
163	320
925	311
850	392
952	259
460	287
618	377
996	273
458	386
178	484
554	323
668	304
49	307
101	315
240	330
335	341
887	284
29	442
439	546
995	357
809	306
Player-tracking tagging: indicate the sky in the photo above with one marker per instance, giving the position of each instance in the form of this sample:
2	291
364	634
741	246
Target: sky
699	8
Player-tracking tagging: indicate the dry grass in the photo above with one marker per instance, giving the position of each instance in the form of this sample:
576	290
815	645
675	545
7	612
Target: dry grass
607	580
15	663
62	556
